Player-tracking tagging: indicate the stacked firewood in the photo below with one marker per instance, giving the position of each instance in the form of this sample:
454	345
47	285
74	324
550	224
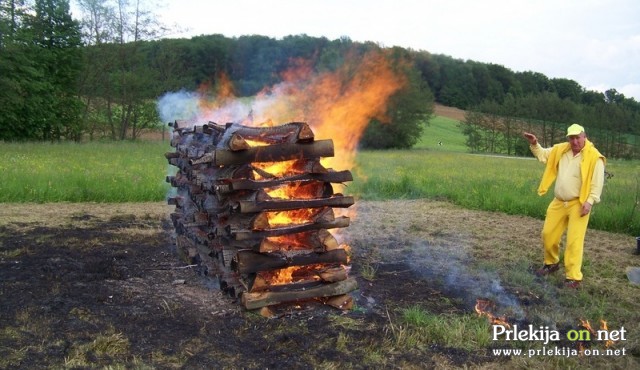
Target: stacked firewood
254	206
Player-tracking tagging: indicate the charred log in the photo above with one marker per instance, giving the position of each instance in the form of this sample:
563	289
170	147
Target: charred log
256	300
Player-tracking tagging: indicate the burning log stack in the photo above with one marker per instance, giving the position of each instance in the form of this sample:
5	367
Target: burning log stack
254	206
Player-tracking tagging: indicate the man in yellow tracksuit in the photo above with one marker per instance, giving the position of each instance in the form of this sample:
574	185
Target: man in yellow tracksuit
577	168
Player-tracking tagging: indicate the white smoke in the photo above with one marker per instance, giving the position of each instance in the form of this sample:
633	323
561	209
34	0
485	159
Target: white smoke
181	105
197	108
453	268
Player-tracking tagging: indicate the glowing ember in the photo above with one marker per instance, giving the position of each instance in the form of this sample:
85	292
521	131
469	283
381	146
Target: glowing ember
274	169
483	307
256	143
294	217
292	274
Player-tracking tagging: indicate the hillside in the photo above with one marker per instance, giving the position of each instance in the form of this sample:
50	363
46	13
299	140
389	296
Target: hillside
449	112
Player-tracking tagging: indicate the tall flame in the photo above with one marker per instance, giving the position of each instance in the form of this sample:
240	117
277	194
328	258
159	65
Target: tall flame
336	105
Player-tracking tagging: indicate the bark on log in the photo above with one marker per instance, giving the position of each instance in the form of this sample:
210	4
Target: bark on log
287	133
271	153
281	205
223	187
260	283
342	302
256	300
250	234
317	241
247	262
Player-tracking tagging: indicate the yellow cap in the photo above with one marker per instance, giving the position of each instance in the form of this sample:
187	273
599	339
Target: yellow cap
575	129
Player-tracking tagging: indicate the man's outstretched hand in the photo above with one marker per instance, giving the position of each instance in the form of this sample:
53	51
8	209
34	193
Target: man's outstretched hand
533	140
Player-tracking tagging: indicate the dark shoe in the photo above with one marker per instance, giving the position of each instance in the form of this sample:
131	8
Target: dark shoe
548	269
572	284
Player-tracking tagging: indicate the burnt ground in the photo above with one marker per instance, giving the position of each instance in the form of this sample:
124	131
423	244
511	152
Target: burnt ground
92	285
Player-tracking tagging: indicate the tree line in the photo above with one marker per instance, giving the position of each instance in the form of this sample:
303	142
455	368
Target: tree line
99	77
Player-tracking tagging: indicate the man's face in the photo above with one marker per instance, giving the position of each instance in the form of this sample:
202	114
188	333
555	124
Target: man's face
577	142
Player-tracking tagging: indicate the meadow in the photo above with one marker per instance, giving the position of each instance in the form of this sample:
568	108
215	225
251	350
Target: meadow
438	167
422	221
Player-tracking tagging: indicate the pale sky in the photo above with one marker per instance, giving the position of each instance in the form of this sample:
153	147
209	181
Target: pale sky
594	42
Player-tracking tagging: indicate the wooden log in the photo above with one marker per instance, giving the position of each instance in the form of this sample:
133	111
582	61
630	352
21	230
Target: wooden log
247	261
339	222
259	282
227	186
261	299
237	142
312	241
333	274
271	153
327	240
186	249
251	221
292	132
317	241
180	125
280	205
342	302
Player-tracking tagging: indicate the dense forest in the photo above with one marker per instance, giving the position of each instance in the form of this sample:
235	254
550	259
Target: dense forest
100	77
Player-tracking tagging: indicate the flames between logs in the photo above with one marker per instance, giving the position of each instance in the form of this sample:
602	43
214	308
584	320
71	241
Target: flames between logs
254	206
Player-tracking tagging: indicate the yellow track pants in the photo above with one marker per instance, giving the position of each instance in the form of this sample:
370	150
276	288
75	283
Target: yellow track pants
563	216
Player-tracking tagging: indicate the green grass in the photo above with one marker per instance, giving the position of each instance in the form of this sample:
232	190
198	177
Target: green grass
92	172
468	331
442	130
493	183
135	172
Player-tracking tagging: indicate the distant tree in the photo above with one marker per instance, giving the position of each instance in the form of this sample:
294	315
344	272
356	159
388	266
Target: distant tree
118	80
39	61
534	82
57	37
567	89
592	98
409	111
458	85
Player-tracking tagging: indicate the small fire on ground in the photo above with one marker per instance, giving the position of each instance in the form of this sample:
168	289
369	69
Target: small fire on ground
484	307
594	334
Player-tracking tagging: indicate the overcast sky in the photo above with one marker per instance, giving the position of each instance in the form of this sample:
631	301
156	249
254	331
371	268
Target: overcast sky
594	42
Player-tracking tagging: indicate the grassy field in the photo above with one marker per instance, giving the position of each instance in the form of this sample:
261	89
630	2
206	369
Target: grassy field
91	172
135	172
473	245
442	134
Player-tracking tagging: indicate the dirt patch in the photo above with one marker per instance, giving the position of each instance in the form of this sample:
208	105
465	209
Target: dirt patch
449	112
92	285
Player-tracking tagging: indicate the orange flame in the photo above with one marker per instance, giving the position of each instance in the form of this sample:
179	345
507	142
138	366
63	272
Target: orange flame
293	217
603	326
587	325
336	105
291	274
483	306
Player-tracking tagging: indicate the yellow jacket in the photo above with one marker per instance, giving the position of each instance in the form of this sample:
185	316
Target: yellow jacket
590	156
